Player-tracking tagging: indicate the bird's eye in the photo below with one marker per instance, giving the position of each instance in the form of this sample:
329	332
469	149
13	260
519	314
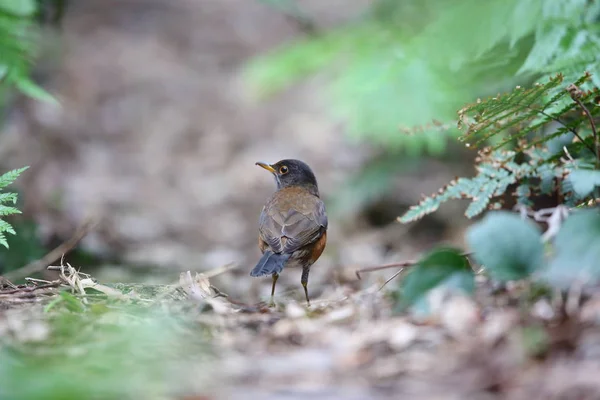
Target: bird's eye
283	170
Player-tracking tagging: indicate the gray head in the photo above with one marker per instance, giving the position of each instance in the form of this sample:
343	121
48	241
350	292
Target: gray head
292	173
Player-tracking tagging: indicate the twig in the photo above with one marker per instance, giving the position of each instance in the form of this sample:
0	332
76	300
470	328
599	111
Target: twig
6	282
392	278
404	264
39	265
385	266
569	157
31	288
576	94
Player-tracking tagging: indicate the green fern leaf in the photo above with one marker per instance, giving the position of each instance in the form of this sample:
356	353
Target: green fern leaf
426	206
584	182
480	202
523	192
8	197
547	43
4	211
6	227
10	176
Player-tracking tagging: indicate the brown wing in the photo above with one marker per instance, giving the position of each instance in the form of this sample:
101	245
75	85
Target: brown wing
286	232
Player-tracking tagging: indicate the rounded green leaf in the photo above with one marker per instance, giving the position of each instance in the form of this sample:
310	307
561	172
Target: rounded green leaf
577	251
584	181
445	266
506	245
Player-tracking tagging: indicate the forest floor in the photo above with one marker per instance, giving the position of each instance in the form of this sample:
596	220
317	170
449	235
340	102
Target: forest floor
74	338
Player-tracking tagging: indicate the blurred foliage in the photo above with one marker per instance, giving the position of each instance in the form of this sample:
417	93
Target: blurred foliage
445	267
537	141
19	39
99	347
25	246
11	198
577	252
509	246
518	119
408	63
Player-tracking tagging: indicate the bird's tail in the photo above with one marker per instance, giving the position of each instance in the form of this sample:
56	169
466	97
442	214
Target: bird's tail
270	263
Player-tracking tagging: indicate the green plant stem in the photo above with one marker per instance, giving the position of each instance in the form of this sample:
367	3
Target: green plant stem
575	93
594	132
560	121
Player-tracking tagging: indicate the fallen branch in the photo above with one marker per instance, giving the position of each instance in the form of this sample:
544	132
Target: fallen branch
58	252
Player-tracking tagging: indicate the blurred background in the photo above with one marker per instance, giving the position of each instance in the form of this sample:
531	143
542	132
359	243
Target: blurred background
164	106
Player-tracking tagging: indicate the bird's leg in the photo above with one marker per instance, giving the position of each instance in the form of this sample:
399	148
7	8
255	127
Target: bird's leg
304	281
275	277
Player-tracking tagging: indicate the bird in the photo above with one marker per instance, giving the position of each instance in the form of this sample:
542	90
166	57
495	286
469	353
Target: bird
292	227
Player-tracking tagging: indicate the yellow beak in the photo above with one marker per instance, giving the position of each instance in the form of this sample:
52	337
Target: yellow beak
267	167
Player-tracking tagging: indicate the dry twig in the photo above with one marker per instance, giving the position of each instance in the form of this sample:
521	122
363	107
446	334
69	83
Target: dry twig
402	265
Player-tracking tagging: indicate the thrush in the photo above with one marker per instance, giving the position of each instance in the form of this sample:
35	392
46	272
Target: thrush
293	223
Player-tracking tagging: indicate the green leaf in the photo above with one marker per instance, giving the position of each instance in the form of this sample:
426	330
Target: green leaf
21	8
10	176
584	181
72	303
4	210
6	227
8	197
25	246
577	251
507	246
34	91
445	266
3	241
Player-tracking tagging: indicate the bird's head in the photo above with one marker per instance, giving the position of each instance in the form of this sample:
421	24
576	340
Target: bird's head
292	173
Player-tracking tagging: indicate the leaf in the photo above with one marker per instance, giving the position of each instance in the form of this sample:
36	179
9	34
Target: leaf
577	251
34	91
72	303
584	181
547	43
4	210
20	8
507	246
383	72
8	197
10	176
444	266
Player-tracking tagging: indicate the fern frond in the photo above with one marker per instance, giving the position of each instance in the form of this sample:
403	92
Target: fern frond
8	197
6	227
523	112
5	180
10	176
4	211
3	241
496	172
522	193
